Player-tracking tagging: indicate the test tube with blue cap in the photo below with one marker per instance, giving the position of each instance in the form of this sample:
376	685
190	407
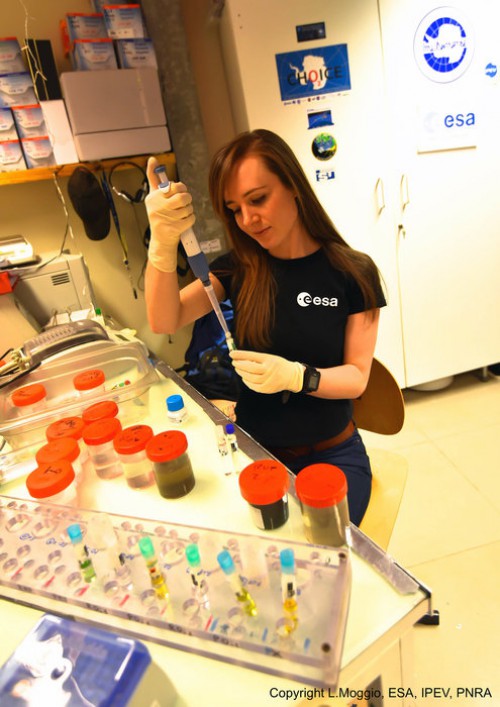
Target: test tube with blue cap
198	261
288	585
199	584
155	574
242	594
84	562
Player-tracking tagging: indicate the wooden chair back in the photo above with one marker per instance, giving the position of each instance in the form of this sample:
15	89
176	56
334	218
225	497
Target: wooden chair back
381	408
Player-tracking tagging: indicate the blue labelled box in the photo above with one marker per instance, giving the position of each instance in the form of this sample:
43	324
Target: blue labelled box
63	662
7	126
11	159
83	25
16	90
313	72
38	152
136	53
124	21
94	54
11	58
29	121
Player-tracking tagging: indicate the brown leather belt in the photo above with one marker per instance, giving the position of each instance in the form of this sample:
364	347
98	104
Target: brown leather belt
290	453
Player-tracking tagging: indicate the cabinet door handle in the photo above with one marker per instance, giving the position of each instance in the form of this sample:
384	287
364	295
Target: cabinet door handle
380	195
404	191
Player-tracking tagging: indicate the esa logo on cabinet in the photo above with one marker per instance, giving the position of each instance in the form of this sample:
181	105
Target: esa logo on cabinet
444	45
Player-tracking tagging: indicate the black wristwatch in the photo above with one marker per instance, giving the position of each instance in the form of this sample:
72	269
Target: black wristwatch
311	379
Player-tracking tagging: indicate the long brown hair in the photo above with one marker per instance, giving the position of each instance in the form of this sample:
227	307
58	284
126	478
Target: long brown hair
255	303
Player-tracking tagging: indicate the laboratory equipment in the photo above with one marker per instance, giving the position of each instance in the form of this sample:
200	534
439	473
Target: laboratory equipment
130	446
53	482
176	410
289	587
264	485
171	463
200	592
33	530
99	437
322	492
241	593
155	574
85	563
198	262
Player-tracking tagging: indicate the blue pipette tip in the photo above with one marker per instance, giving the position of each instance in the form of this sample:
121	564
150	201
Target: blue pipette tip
226	562
287	560
75	533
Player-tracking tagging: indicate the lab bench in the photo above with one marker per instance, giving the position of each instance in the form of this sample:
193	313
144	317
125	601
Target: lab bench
361	592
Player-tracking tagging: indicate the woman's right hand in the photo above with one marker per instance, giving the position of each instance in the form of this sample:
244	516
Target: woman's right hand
170	214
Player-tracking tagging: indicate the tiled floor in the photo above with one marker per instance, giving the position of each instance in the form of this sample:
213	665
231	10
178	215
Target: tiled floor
448	532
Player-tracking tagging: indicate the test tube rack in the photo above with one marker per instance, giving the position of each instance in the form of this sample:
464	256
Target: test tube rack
39	568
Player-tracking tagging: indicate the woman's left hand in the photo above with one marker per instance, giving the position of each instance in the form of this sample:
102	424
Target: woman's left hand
267	373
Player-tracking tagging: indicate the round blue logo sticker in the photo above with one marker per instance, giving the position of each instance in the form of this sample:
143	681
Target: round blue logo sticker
443	45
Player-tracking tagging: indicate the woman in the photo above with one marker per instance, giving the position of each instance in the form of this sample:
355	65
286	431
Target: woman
306	304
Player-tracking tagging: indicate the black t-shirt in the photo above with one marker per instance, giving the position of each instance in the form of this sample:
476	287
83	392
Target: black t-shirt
313	302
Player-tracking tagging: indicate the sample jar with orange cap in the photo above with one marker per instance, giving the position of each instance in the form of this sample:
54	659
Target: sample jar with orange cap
99	437
89	382
100	411
30	398
322	492
62	449
130	445
264	484
68	427
171	464
53	482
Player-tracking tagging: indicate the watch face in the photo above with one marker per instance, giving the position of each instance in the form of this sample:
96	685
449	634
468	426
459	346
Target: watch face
311	380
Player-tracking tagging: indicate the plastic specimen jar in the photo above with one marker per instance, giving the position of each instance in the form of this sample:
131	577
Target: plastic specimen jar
322	492
264	485
69	427
100	411
62	449
30	399
99	437
175	408
53	482
172	466
89	382
130	445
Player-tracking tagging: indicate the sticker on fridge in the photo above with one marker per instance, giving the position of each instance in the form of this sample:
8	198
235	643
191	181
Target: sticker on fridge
312	72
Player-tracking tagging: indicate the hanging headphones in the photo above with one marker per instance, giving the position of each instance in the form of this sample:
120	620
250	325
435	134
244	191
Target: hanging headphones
140	194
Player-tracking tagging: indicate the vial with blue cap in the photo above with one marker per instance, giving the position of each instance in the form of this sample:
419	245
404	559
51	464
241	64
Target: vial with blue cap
84	562
176	410
226	564
289	586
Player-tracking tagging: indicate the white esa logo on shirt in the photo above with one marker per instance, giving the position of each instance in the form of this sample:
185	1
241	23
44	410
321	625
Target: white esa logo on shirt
305	299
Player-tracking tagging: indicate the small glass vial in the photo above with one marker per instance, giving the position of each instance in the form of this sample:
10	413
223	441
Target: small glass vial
89	382
322	492
175	409
30	399
69	427
99	437
100	411
264	485
53	482
231	437
84	562
130	445
171	464
62	449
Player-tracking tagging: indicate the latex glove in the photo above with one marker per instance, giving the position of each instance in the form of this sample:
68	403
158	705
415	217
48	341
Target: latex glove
170	214
267	373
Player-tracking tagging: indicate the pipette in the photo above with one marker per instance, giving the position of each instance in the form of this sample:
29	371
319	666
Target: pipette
198	261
